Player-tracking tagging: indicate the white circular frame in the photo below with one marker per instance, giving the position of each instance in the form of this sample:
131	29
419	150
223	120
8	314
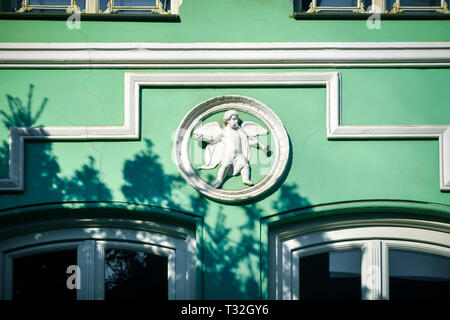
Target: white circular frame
280	146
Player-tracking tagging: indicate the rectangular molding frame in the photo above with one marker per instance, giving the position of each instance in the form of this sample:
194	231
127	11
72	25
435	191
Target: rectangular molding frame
225	55
130	129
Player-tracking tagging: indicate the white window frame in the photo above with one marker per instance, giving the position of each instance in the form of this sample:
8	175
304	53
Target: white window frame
111	7
72	8
178	246
288	245
379	6
93	6
398	8
313	8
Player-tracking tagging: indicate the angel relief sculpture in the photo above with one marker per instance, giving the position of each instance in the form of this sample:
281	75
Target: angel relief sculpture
230	145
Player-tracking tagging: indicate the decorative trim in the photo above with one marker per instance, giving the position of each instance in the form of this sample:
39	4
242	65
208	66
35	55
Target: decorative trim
18	135
314	8
398	8
72	8
157	8
286	244
90	244
224	55
280	146
130	129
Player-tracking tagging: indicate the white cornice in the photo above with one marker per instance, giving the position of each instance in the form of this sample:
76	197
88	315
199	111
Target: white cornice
224	55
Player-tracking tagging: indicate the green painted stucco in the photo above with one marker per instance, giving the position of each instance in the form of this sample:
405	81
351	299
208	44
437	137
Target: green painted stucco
142	173
226	21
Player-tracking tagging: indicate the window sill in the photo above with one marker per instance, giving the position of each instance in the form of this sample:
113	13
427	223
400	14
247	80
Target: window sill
365	16
92	17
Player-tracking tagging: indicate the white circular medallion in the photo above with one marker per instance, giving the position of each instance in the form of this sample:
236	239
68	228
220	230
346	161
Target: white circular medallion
228	142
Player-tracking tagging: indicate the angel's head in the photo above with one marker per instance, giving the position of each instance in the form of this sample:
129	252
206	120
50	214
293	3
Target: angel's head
231	118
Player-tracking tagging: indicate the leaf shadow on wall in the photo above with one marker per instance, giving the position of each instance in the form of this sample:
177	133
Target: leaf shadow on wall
229	267
42	179
231	255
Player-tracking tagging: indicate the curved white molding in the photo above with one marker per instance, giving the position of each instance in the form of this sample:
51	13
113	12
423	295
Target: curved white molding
280	146
180	251
130	129
288	244
224	55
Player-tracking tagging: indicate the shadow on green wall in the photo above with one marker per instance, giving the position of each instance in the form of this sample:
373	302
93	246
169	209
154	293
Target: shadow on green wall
232	255
44	180
146	181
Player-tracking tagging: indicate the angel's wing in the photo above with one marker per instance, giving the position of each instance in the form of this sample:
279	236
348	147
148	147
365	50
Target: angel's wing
213	155
210	133
253	129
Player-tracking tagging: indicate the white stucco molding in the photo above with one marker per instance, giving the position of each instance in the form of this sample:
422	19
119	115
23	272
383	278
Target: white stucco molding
130	129
18	136
224	55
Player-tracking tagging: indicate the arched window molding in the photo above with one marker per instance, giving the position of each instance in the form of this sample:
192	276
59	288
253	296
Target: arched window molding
178	244
374	237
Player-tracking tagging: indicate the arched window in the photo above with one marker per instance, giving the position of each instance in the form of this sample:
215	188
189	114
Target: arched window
155	262
362	259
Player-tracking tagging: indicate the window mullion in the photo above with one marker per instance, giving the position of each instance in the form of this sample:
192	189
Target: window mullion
174	6
378	6
86	262
384	271
92	6
371	271
7	277
99	271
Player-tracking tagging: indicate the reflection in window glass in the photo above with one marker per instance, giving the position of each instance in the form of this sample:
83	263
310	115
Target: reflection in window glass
337	3
420	3
14	5
43	276
49	2
134	3
304	5
133	274
165	4
416	275
331	276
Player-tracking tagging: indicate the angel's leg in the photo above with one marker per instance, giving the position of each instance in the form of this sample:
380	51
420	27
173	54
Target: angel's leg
223	171
245	173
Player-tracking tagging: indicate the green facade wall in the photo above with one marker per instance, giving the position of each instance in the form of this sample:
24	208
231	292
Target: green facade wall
141	174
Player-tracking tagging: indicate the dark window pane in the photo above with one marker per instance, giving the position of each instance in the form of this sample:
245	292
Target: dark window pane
134	3
50	2
331	276
389	4
414	3
104	4
415	275
125	3
11	5
420	3
337	3
133	274
43	276
366	3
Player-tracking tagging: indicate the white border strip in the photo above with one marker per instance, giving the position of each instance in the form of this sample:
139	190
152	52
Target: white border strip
130	129
224	55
